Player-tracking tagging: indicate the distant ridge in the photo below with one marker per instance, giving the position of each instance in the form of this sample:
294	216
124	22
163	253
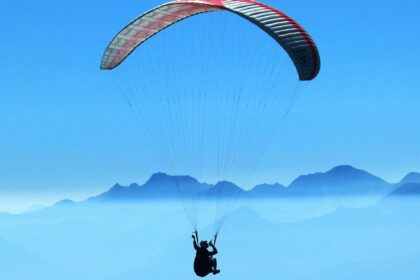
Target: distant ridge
343	180
408	189
65	202
158	186
412	177
267	190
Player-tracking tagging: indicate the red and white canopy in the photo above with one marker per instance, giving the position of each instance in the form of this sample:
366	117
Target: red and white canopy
287	32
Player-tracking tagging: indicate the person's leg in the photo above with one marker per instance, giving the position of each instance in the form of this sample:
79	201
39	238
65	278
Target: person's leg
214	266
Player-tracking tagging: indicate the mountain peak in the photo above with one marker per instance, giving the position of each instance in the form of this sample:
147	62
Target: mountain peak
226	184
408	189
158	177
350	172
412	177
346	178
344	169
225	189
163	178
133	185
117	186
65	202
268	190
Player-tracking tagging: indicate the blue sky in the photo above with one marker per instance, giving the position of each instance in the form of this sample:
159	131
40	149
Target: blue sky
65	132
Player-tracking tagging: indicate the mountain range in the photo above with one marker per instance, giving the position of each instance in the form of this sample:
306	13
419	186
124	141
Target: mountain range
343	180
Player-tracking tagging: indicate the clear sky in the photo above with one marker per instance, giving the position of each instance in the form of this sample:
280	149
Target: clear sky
66	133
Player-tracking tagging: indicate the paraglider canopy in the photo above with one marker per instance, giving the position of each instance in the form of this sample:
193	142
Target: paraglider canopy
213	129
286	31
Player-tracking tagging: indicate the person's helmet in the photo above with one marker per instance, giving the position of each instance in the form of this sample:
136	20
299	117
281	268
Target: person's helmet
204	244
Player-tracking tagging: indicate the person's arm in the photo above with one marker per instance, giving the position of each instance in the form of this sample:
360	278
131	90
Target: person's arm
195	243
214	252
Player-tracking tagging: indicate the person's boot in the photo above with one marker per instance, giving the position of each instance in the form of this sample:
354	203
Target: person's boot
216	271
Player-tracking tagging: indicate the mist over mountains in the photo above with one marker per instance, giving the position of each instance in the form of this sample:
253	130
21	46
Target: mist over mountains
132	240
135	240
340	181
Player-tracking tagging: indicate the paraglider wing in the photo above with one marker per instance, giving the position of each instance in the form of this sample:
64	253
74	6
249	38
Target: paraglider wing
287	32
